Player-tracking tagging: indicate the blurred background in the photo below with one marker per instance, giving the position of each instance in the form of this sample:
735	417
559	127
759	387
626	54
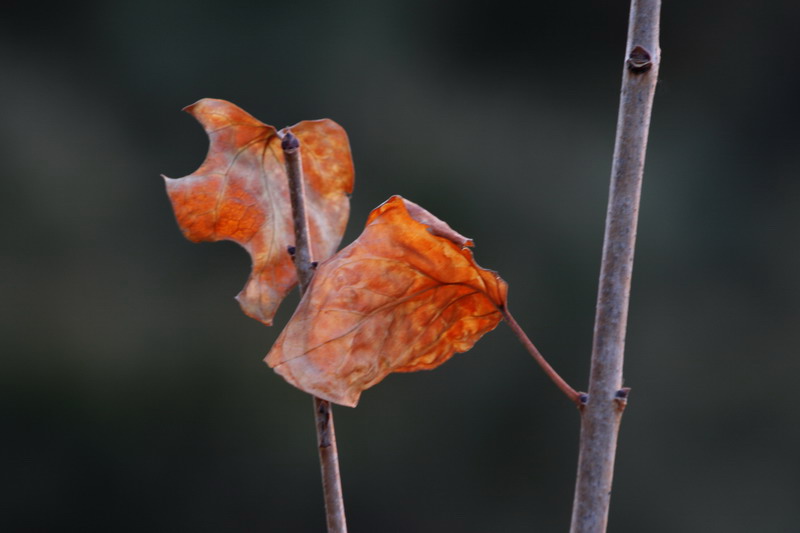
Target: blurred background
133	393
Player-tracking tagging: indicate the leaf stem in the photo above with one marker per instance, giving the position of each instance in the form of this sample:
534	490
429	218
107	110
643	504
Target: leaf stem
576	397
600	419
303	261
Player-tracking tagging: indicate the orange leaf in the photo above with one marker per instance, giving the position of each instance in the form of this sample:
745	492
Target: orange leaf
240	193
406	295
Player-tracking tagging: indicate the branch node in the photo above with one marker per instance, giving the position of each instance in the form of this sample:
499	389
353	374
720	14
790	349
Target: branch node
289	142
621	398
582	401
639	60
292	250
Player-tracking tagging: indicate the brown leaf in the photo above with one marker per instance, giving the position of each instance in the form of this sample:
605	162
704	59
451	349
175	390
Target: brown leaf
240	193
406	295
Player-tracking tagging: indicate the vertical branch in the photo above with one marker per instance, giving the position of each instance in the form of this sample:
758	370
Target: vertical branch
326	435
600	419
302	248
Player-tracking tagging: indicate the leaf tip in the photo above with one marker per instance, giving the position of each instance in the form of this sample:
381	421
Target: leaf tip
435	225
191	107
252	309
308	379
204	102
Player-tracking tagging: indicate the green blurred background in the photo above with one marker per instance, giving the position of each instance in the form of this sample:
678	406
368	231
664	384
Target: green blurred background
133	393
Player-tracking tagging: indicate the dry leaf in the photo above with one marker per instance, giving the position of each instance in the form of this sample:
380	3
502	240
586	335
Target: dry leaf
405	296
240	193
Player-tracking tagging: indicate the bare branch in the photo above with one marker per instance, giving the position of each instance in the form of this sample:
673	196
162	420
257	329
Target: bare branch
600	419
303	261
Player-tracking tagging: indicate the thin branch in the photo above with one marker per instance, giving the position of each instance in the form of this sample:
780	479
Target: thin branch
600	419
303	261
576	397
301	252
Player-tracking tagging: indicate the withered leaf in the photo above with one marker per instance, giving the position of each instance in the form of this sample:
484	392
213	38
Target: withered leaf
405	296
240	193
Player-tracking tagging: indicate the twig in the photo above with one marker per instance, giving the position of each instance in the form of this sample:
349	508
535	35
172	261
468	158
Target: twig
576	397
600	419
303	260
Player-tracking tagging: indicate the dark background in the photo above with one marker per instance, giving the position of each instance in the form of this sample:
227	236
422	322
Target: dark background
132	392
